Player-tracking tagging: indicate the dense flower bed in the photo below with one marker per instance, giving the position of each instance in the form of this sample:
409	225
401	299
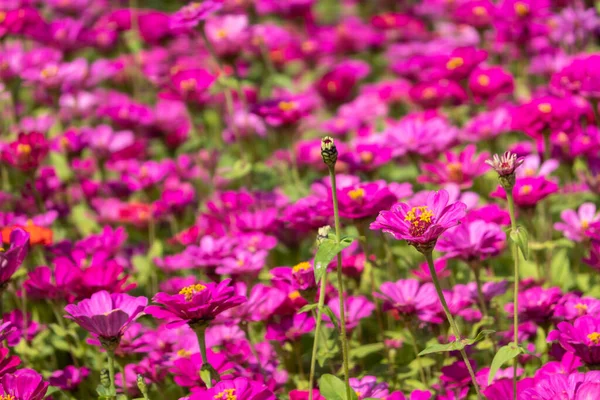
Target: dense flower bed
300	199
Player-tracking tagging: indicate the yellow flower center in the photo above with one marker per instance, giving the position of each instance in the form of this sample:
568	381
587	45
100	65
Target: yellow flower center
526	189
545	108
420	219
483	80
454	63
188	85
303	266
7	397
2	16
357	194
594	337
184	353
221	33
286	105
23	149
190	291
581	308
479	11
366	157
227	394
521	9
455	171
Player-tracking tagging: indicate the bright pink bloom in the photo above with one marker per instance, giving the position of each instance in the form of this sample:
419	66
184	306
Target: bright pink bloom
12	258
461	168
364	199
367	387
409	298
473	241
238	388
582	337
195	303
421	225
25	384
529	191
69	378
356	307
488	83
193	13
43	283
27	152
107	315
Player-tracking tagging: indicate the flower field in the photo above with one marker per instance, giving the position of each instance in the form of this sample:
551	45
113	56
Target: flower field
300	199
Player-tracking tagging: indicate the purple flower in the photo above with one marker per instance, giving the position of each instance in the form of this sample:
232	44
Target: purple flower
572	306
368	387
291	328
25	384
8	363
107	315
191	14
473	241
408	298
12	258
200	302
421	225
43	283
575	386
69	378
420	135
186	369
582	337
575	224
536	304
364	199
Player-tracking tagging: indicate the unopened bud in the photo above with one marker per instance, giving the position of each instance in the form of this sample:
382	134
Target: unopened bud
141	384
105	378
505	165
323	234
329	151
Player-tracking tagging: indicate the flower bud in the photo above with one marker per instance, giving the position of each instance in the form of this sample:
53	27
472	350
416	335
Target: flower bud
329	151
105	378
505	166
323	234
142	385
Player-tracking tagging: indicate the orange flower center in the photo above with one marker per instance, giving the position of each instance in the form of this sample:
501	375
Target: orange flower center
585	224
581	308
190	291
455	171
331	86
545	108
7	397
420	219
294	295
188	85
49	72
23	149
286	105
526	189
366	157
454	63
483	80
184	353
521	9
221	33
479	11
429	93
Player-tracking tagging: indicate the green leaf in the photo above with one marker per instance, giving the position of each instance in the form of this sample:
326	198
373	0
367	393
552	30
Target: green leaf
331	316
282	81
307	308
61	166
480	336
504	354
365	350
82	218
520	238
327	250
239	170
560	270
333	388
440	348
51	390
205	375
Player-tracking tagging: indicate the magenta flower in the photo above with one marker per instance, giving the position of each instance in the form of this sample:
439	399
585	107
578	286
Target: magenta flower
528	191
200	302
536	304
488	83
12	258
337	84
461	168
409	298
191	14
441	269
27	152
582	337
286	110
421	225
291	328
576	386
25	384
420	135
8	363
364	199
238	388
471	241
228	34
107	315
356	307
572	306
575	224
191	84
69	378
186	368
43	283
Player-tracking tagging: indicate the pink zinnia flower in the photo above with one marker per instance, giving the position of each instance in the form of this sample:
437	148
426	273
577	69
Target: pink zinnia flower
364	199
356	307
421	225
460	168
12	258
107	315
582	337
409	298
200	302
367	387
473	241
191	14
488	83
27	152
529	191
238	388
25	384
575	224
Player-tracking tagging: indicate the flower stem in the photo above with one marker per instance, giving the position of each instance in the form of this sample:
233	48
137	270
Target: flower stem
429	257
416	349
343	337
313	358
200	330
111	371
515	252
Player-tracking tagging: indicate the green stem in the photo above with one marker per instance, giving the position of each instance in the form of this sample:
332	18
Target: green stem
111	370
515	252
413	341
200	333
429	257
124	383
313	358
343	337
